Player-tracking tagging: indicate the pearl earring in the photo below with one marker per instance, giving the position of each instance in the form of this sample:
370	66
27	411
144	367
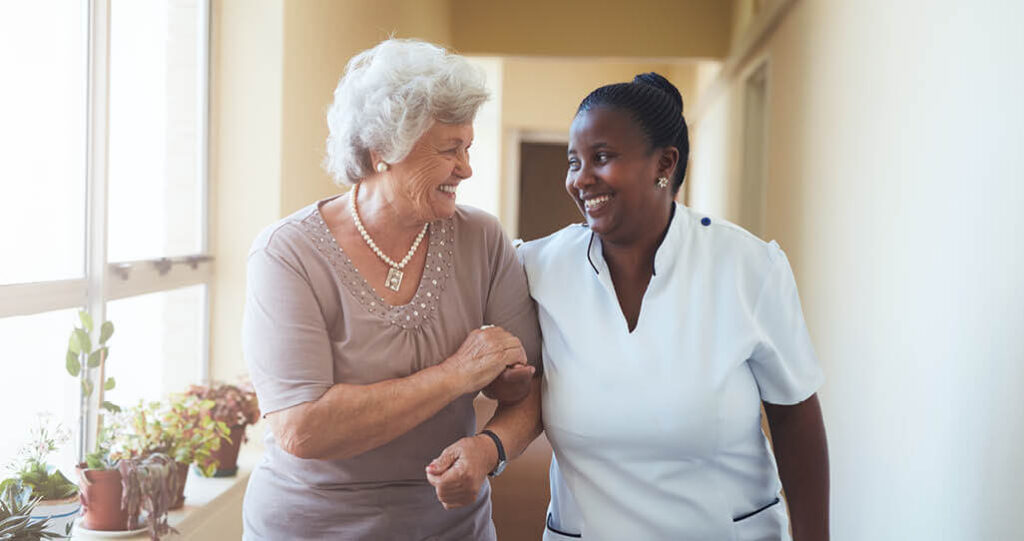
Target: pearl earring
663	182
381	167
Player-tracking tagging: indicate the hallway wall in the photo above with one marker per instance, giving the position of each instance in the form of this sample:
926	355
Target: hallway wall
895	186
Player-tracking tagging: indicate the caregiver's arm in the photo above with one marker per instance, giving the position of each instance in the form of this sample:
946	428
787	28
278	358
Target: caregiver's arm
801	451
351	419
459	472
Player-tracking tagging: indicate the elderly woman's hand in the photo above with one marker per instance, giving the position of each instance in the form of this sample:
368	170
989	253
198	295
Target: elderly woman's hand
483	356
459	472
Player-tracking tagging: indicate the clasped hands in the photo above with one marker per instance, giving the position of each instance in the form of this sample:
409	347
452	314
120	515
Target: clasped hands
489	356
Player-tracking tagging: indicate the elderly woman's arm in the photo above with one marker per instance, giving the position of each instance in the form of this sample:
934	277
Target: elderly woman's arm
801	451
459	472
351	419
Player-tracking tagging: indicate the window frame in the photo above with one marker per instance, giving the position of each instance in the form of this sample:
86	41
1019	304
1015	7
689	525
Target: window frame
105	281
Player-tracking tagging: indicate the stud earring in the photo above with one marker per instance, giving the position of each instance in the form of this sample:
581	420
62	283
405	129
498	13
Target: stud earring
663	182
381	167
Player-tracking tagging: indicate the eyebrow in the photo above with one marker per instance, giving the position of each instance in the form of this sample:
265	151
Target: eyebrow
595	146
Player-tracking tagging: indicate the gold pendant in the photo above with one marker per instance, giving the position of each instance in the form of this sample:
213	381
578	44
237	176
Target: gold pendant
394	280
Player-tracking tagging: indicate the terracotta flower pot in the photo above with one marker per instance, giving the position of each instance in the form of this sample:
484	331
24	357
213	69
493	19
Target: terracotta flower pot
227	455
100	493
182	473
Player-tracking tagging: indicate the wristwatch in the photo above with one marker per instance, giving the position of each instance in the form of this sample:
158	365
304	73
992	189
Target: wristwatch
501	453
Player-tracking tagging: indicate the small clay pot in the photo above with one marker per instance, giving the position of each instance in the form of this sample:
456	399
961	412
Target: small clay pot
182	473
100	493
227	455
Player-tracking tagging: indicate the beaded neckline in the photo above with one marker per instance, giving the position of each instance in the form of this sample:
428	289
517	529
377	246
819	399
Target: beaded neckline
423	306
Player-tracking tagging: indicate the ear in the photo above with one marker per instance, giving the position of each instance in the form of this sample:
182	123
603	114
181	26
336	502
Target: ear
667	161
374	158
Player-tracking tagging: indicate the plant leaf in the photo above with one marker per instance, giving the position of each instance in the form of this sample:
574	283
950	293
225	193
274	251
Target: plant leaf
73	343
72	364
87	387
106	331
84	344
94	358
109	384
111	407
86	320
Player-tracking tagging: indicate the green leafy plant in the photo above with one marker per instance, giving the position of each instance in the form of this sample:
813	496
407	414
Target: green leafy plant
182	427
234	405
82	354
80	360
16	523
149	484
30	468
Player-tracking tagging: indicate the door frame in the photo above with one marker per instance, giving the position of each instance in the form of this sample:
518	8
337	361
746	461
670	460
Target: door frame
513	139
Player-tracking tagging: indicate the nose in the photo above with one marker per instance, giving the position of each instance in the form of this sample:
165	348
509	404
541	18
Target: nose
462	168
580	179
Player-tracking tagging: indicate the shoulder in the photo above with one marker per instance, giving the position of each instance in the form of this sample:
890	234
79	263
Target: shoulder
550	249
290	236
727	242
478	229
474	218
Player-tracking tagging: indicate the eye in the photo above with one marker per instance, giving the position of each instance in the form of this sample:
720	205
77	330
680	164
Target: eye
574	164
602	157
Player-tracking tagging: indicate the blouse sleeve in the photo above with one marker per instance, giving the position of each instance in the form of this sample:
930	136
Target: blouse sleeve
784	363
509	304
284	335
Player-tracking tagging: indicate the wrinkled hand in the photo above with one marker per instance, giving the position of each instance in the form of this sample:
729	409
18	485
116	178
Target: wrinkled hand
459	472
484	355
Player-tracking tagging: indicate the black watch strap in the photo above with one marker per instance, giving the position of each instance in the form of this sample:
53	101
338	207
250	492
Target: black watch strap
501	452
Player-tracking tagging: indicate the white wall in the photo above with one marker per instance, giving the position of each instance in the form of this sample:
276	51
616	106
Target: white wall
895	185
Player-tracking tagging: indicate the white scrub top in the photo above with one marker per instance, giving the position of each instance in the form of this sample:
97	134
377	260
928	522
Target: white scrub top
657	433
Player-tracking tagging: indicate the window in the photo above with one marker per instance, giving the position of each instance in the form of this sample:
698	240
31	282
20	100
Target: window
103	202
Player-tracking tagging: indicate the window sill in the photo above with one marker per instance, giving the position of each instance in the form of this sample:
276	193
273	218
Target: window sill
212	505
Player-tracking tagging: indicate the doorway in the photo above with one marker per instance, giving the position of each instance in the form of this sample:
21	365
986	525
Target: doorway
544	207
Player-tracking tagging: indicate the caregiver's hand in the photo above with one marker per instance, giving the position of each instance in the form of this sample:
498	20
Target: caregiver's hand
459	472
512	385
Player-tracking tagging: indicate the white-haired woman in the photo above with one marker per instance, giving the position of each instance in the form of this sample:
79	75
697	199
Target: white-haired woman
373	318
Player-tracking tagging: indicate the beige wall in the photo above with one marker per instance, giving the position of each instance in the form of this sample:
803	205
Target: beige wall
593	28
542	94
894	184
245	157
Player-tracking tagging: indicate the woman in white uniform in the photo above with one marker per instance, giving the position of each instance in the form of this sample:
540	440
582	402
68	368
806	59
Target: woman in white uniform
664	333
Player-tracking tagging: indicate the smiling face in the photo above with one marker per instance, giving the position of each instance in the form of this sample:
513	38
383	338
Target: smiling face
613	175
423	184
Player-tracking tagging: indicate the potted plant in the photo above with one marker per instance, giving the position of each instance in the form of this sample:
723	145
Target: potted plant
99	480
235	406
118	488
150	485
16	520
57	496
181	427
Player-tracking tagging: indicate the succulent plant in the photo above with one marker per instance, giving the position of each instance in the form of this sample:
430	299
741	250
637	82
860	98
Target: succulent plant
16	523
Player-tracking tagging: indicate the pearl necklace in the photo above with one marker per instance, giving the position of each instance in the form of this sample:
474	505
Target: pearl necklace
394	279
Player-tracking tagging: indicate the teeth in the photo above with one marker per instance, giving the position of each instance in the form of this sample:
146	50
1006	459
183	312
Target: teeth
591	203
447	188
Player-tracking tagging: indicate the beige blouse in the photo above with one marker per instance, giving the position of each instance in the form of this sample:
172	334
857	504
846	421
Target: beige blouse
311	321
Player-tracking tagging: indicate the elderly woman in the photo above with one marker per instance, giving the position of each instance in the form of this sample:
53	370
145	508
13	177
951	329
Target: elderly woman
665	333
373	318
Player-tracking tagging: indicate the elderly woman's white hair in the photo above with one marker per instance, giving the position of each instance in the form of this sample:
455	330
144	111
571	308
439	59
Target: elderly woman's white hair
388	98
